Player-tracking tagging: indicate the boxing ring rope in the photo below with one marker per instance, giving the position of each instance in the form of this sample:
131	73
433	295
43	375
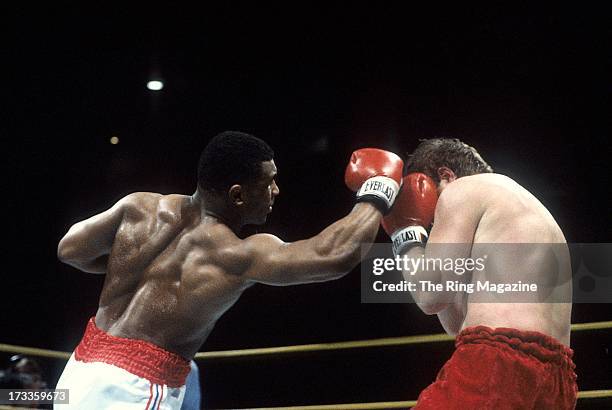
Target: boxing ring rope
590	394
317	347
389	341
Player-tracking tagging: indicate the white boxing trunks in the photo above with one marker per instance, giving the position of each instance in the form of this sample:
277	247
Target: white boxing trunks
108	372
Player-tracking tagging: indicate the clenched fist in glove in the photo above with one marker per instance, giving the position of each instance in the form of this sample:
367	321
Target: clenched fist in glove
413	212
375	175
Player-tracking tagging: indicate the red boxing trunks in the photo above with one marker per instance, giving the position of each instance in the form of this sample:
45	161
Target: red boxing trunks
504	369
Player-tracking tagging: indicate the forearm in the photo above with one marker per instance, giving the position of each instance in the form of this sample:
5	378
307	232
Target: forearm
375	176
98	265
76	250
76	247
341	243
87	244
427	276
327	256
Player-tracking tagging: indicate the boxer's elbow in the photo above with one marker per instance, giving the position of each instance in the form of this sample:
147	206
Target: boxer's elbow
332	267
349	258
70	253
432	308
69	256
428	303
343	265
339	261
66	251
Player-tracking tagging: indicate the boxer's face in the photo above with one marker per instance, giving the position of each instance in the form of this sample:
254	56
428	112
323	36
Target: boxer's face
259	195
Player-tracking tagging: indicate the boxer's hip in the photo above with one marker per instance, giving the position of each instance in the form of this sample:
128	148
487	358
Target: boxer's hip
504	368
139	357
538	345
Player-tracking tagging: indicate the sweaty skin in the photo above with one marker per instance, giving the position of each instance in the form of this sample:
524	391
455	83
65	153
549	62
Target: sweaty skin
493	209
173	267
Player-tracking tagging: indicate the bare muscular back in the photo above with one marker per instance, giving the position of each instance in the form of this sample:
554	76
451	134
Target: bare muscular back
171	274
509	214
173	266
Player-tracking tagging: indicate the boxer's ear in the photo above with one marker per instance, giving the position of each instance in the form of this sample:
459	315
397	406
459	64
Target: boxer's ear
235	195
446	174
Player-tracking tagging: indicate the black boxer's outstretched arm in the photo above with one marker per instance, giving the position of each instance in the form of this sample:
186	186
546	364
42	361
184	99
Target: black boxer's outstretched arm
329	255
375	175
87	244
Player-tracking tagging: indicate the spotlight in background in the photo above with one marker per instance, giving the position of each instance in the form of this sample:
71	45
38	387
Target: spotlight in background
155	85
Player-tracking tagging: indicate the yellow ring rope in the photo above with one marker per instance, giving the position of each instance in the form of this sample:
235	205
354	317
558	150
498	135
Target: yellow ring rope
589	394
33	351
346	406
391	341
316	347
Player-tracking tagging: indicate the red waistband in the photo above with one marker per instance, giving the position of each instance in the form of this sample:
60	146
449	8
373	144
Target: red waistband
539	345
138	357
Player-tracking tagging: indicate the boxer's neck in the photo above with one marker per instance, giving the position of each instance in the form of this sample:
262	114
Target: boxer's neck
211	205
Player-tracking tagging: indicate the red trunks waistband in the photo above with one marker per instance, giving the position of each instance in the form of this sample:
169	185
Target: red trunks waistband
138	357
539	345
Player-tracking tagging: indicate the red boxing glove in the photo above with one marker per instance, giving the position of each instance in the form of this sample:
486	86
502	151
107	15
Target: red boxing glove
375	175
413	211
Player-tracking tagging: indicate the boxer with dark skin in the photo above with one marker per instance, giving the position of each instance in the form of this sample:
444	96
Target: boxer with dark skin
524	338
174	263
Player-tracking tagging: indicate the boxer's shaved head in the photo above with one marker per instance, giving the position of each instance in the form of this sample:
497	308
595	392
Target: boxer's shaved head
231	157
432	154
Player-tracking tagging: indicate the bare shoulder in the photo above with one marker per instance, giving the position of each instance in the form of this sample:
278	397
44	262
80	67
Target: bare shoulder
221	246
489	180
460	191
261	241
477	187
256	247
141	198
483	180
253	253
474	194
138	204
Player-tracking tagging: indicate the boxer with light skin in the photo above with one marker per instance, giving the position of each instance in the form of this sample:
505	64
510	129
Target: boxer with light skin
174	264
449	183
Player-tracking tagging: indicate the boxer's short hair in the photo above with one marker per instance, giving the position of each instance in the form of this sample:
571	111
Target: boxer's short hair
231	157
452	153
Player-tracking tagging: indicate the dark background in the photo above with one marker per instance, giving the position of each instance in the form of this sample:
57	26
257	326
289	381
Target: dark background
530	89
